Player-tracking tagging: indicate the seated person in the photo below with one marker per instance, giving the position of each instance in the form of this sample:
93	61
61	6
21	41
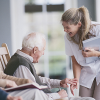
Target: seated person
21	65
7	81
26	94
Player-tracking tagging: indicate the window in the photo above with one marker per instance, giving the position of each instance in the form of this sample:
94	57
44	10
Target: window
45	18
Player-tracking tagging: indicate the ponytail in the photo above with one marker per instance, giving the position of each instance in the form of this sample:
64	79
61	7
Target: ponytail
86	23
74	16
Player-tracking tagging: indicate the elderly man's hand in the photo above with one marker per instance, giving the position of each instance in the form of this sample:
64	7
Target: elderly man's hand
64	83
63	93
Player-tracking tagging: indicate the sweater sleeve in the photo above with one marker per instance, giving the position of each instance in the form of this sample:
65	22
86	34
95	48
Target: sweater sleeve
18	81
52	83
2	83
3	95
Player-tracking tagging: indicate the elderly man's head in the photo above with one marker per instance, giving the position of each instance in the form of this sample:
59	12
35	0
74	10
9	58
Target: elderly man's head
34	45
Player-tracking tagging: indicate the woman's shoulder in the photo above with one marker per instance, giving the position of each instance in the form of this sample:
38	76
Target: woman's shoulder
95	24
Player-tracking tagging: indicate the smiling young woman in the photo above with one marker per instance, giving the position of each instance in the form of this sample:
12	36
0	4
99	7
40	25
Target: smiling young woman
79	27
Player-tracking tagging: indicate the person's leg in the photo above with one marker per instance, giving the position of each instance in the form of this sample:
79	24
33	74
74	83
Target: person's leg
96	94
86	92
30	94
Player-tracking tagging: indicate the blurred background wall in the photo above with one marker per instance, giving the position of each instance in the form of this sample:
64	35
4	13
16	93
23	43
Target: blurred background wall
19	17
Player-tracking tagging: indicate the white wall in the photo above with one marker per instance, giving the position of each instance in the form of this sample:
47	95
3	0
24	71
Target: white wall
5	24
17	23
97	2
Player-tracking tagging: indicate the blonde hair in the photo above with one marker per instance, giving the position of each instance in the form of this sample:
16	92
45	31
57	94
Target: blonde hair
74	16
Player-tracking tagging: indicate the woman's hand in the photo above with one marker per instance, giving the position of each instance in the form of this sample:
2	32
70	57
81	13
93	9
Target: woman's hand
72	87
90	52
10	83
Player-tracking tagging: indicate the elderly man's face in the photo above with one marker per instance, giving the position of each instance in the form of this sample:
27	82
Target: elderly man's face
39	53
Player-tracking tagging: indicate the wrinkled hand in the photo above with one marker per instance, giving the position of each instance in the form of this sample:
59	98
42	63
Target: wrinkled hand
64	83
13	98
72	87
63	93
89	52
10	83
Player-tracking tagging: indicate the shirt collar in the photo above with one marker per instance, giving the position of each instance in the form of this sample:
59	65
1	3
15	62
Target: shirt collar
24	55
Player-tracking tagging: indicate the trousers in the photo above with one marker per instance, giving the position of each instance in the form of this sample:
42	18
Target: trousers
94	91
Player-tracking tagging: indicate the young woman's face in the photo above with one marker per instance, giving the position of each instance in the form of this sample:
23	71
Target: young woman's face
71	29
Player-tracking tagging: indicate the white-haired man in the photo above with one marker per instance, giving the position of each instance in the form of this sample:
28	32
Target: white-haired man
21	65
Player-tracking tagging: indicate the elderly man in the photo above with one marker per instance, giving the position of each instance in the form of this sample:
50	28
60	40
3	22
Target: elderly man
21	65
7	81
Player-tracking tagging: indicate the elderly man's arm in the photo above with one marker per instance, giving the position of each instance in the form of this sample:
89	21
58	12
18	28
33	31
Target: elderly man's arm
52	83
55	83
24	72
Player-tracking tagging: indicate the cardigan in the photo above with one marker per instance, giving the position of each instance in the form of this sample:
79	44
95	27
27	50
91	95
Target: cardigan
4	78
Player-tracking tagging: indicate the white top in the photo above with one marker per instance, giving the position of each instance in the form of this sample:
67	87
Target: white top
88	71
24	72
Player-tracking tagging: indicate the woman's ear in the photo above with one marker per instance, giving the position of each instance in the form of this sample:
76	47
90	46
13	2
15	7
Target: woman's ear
79	24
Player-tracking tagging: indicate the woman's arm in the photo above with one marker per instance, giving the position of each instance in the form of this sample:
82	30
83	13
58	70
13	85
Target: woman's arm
76	68
76	72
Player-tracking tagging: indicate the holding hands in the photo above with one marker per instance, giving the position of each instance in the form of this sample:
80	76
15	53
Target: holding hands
64	83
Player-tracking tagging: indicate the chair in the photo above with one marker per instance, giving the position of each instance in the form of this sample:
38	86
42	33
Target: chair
4	56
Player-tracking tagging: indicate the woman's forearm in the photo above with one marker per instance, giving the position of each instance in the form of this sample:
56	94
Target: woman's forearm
76	68
76	71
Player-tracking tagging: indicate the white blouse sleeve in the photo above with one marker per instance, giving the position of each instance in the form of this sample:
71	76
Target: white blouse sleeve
97	29
68	49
